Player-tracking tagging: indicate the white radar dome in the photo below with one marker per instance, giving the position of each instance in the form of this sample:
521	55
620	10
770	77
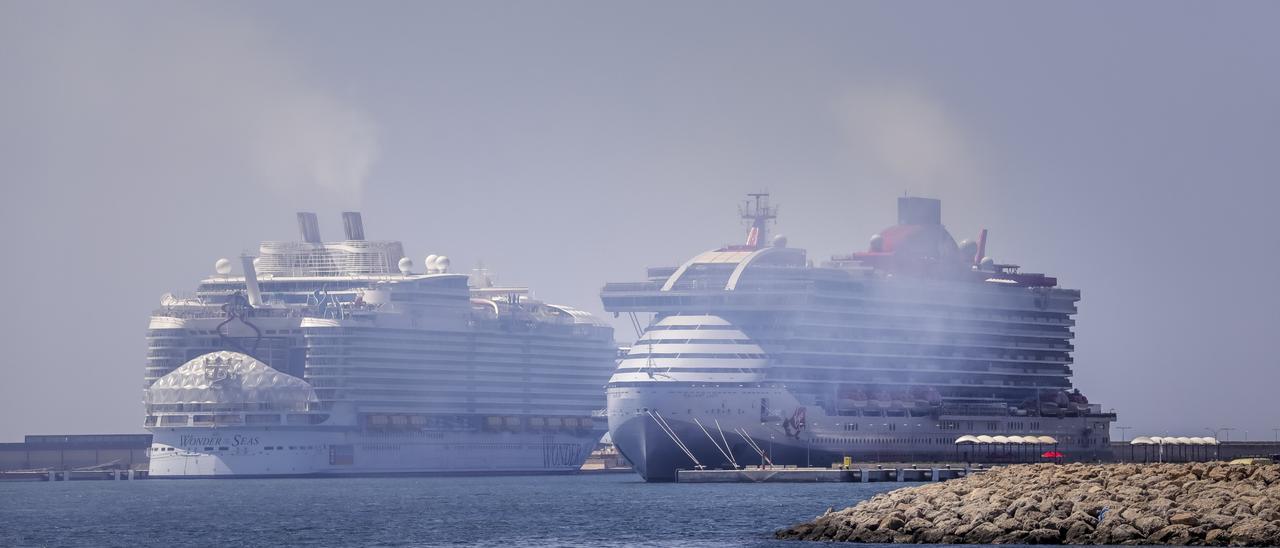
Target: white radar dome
877	243
442	264
405	265
988	263
779	241
430	263
222	266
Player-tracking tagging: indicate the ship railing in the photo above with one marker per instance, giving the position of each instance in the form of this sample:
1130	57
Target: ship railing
216	408
976	410
188	313
632	286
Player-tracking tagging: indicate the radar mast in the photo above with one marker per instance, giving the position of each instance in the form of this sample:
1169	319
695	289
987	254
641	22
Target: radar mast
758	212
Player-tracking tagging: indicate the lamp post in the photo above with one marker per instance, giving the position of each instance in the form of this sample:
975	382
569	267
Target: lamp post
1227	431
1217	447
1123	429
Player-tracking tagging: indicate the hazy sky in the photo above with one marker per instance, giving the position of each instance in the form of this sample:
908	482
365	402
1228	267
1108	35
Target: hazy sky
1130	148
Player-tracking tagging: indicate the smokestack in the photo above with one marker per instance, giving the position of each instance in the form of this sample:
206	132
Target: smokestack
982	247
309	226
251	278
353	225
919	211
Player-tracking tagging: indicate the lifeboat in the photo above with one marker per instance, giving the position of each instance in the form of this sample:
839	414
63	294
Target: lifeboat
1054	403
881	399
933	397
1079	404
926	396
902	399
852	398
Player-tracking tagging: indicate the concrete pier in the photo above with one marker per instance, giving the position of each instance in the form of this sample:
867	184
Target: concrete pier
72	475
822	475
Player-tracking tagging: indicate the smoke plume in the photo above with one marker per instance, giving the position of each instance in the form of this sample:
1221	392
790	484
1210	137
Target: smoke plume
907	137
179	93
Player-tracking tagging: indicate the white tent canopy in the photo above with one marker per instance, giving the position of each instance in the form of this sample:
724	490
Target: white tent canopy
1173	440
1002	440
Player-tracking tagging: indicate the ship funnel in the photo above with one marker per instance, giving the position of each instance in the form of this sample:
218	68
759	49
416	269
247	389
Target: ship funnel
251	277
353	225
309	226
919	211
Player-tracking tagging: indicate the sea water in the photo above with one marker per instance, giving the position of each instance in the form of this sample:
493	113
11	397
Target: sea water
509	511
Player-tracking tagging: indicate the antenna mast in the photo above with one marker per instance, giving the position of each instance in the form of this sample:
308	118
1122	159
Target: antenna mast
757	210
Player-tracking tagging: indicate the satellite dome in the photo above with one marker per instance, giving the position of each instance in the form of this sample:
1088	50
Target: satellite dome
430	263
987	263
779	241
877	243
968	249
222	266
442	264
405	265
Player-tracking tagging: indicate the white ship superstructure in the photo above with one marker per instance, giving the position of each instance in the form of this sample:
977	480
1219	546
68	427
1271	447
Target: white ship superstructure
755	354
338	358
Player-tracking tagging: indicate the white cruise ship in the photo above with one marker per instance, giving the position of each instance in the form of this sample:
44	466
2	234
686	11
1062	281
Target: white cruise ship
905	352
339	358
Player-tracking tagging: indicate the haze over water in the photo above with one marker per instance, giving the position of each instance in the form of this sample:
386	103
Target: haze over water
1129	149
608	510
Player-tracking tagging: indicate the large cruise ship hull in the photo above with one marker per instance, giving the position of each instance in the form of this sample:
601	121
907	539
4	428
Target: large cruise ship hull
703	421
711	423
260	452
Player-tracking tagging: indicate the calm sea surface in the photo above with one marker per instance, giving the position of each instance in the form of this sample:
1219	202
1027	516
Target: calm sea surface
589	510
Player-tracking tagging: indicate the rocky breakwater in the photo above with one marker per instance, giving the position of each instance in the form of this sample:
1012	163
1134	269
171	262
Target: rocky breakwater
1214	504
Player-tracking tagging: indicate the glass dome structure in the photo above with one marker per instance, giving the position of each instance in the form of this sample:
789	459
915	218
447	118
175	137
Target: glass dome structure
228	381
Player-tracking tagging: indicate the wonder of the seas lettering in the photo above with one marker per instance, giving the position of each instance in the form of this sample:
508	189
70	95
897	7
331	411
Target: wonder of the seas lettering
237	440
200	440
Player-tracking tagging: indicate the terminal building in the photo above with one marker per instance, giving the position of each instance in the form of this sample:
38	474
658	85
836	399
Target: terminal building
70	452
